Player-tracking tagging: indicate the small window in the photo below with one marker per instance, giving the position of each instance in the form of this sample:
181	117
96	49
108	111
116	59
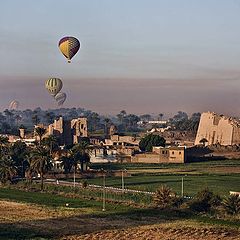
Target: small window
180	153
163	152
172	152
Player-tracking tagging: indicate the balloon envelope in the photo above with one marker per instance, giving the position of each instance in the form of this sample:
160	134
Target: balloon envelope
53	85
14	105
69	46
60	98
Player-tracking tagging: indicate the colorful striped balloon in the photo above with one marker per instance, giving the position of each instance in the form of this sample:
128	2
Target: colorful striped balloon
60	98
69	46
53	85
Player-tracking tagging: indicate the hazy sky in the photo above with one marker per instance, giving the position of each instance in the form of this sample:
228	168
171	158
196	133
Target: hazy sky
139	55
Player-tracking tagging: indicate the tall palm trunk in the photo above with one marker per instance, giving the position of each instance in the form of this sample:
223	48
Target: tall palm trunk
41	181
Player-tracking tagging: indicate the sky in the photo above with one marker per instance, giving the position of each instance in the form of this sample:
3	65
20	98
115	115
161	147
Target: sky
143	56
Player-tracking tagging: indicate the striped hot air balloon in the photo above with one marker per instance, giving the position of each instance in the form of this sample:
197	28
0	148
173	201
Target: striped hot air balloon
60	98
69	46
14	105
53	85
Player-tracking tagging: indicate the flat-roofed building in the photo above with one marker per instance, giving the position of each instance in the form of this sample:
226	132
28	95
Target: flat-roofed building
162	155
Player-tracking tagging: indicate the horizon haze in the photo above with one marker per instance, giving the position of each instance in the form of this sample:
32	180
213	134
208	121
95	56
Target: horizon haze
141	56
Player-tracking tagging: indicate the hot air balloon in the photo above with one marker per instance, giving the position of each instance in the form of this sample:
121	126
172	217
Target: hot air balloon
60	98
53	85
14	105
69	46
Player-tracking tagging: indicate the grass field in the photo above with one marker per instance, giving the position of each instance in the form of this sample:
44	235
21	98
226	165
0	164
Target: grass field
220	184
37	215
219	176
41	215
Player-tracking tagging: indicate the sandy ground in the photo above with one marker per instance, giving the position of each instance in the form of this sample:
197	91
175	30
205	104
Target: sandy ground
71	224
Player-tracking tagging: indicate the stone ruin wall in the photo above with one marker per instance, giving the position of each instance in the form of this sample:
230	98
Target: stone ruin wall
218	129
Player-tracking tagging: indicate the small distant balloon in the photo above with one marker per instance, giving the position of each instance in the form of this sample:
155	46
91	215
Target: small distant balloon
54	86
14	105
69	46
60	98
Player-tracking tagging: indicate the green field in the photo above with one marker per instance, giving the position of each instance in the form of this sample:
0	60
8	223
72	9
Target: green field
215	175
220	184
56	201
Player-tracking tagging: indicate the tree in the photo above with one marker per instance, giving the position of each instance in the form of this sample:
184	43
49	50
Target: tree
204	201
203	141
40	161
7	169
18	152
49	117
121	115
151	140
3	141
51	143
4	147
231	205
35	119
81	153
145	117
106	124
67	163
160	116
165	198
40	133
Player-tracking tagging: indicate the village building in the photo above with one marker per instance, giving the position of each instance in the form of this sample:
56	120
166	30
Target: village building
162	155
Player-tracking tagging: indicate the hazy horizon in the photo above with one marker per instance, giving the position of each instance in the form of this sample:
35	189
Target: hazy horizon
141	56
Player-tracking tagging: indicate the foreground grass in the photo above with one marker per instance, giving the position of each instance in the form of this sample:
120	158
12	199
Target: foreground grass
92	220
56	201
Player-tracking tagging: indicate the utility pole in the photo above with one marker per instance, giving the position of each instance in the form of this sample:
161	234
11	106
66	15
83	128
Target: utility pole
104	193
182	187
124	170
74	177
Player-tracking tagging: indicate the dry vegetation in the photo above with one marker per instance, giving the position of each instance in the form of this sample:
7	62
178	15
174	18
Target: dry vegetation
67	223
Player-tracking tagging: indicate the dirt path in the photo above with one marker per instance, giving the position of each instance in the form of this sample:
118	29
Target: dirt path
159	233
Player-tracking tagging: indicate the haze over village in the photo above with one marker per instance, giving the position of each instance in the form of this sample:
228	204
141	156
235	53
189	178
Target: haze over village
120	120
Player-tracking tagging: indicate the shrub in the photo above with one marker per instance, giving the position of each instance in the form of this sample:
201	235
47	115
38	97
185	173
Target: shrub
204	201
84	184
231	205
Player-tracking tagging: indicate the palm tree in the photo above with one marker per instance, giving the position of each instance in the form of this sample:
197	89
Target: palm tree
35	119
81	153
40	161
3	141
40	132
160	116
163	197
3	145
106	121
67	162
50	142
7	169
232	204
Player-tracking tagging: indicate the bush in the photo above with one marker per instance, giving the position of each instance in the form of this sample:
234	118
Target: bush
231	205
204	201
84	184
166	198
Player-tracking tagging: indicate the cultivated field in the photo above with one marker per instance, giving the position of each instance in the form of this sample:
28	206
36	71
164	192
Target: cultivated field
219	176
41	215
